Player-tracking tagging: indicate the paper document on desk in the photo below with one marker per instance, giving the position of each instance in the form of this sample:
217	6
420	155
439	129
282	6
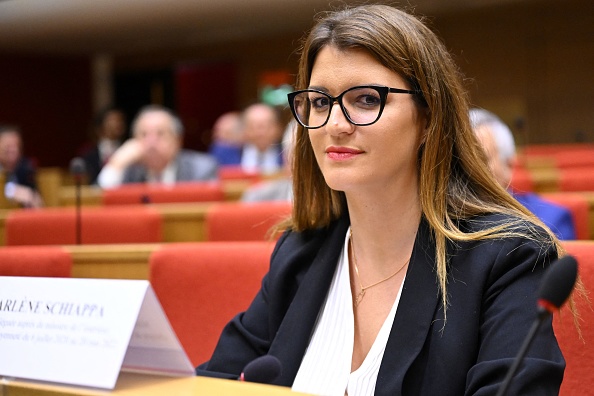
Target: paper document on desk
84	331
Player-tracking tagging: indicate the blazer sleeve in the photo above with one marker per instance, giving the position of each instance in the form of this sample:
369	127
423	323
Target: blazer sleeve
507	314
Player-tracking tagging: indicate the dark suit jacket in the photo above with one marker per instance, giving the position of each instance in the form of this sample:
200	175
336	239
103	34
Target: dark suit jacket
491	291
191	166
23	174
93	164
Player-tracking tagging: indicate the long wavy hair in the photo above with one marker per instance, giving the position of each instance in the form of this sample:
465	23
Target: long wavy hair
454	180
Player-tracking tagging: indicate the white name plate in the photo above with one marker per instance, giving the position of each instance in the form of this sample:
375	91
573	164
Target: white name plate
85	331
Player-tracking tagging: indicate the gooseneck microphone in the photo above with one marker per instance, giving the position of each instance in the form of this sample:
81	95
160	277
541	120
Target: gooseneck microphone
263	370
77	170
556	286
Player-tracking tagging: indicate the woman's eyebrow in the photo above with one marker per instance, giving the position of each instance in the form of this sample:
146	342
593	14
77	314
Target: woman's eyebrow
318	88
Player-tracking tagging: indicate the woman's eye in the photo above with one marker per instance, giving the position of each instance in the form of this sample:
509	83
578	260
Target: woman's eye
368	100
319	102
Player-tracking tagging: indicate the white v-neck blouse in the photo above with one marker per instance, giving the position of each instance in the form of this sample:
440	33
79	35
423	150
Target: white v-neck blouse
326	366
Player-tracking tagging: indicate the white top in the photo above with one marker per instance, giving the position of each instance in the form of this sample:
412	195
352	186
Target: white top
106	148
109	177
326	366
253	160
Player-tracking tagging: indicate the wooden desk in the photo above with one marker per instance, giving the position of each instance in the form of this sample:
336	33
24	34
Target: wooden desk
182	222
144	385
92	195
118	261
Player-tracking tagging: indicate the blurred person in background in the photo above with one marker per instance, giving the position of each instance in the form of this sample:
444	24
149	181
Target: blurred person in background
110	129
263	131
227	139
19	172
498	143
281	188
154	154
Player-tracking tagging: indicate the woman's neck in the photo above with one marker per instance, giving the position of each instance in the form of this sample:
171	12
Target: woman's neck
384	228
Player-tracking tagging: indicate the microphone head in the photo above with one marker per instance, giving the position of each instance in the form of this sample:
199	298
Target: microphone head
557	283
77	166
263	370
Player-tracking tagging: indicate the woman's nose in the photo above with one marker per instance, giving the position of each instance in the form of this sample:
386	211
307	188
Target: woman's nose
338	123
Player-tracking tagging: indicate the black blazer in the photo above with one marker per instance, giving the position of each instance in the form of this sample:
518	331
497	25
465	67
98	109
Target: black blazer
491	292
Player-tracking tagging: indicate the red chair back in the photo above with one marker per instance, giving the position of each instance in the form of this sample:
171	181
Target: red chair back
235	172
237	221
45	261
579	207
521	180
202	286
578	353
576	179
138	193
99	225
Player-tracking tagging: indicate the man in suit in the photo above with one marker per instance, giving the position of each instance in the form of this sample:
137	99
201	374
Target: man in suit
110	127
498	142
154	154
19	172
263	131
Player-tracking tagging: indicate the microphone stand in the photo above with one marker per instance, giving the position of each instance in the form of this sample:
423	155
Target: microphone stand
78	210
77	169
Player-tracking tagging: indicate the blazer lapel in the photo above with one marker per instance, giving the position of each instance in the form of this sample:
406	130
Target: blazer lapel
295	331
414	316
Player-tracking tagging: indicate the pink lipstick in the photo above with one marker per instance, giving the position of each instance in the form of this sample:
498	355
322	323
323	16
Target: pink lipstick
342	153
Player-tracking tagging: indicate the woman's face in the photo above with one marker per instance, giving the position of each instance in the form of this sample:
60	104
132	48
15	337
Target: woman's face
373	158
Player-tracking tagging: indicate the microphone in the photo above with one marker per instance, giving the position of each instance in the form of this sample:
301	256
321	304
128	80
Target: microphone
556	286
78	169
263	370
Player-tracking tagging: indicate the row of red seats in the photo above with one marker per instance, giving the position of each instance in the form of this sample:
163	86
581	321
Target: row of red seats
228	274
231	221
563	180
560	156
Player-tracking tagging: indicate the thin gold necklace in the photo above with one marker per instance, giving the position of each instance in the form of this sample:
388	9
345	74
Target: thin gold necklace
363	289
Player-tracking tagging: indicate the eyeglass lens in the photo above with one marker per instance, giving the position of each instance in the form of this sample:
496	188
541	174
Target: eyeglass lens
360	105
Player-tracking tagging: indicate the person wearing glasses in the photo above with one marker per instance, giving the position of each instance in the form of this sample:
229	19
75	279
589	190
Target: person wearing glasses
405	269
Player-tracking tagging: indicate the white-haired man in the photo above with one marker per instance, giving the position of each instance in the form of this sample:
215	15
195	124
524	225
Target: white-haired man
154	154
498	142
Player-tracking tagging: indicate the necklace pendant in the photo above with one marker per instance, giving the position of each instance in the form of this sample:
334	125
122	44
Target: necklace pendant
359	297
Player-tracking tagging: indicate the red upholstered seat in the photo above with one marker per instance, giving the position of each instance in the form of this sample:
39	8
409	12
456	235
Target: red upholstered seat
576	179
202	286
577	158
99	225
44	261
237	221
138	193
233	172
579	207
521	180
579	354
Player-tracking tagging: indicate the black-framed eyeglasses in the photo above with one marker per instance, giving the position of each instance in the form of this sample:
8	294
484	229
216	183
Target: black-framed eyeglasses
361	105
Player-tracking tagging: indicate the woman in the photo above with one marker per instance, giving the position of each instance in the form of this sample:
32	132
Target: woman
406	269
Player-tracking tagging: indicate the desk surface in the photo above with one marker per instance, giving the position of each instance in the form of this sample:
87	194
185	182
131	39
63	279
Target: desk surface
146	385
